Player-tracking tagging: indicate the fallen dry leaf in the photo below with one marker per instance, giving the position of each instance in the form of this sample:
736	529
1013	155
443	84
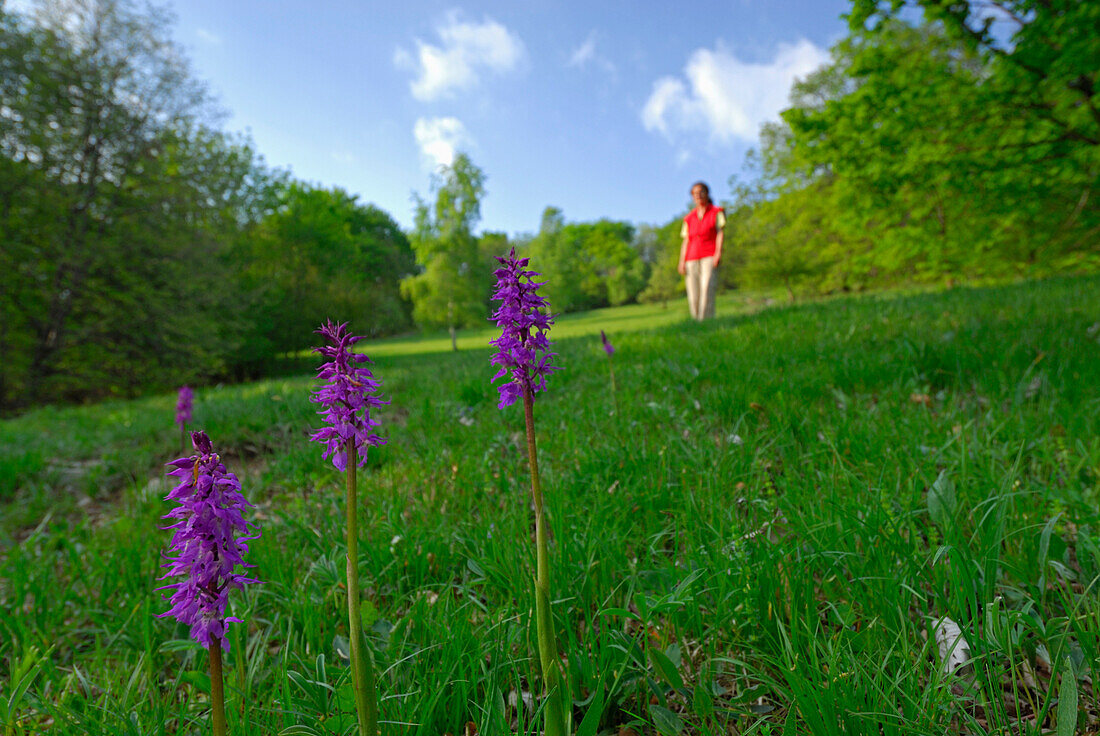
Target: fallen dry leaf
922	399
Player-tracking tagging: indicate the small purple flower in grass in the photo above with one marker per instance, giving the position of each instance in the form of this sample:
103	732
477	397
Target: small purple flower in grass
607	346
524	318
204	548
184	403
347	398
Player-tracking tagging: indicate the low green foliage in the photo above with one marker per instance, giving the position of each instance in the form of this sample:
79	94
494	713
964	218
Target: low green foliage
755	543
944	140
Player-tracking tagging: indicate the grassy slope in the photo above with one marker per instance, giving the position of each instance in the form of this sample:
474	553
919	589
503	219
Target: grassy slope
746	546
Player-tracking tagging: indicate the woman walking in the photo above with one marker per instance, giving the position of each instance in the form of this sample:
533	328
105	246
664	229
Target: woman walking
701	251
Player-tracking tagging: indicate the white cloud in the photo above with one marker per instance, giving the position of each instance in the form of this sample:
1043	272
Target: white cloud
440	138
465	50
666	100
208	36
726	98
586	54
344	156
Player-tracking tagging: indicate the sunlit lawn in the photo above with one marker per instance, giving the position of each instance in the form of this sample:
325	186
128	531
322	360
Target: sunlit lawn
630	318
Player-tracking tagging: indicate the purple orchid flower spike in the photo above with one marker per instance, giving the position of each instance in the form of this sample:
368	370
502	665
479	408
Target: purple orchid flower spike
204	549
524	317
184	404
347	398
523	350
607	346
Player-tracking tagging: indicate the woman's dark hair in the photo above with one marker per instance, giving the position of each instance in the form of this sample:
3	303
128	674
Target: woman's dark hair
706	189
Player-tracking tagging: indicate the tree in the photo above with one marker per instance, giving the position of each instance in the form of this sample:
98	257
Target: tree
450	290
490	245
923	152
659	248
319	255
115	197
964	154
1049	64
616	273
562	266
792	241
587	264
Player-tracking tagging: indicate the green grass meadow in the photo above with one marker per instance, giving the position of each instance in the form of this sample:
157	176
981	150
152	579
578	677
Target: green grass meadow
753	535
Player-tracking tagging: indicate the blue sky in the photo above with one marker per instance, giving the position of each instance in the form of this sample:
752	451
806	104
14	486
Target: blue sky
604	109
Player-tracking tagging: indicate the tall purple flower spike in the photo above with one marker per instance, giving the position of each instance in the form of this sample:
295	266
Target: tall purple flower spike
204	549
184	402
524	317
347	398
607	346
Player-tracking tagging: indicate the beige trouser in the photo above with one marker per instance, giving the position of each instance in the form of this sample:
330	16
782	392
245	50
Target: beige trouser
702	285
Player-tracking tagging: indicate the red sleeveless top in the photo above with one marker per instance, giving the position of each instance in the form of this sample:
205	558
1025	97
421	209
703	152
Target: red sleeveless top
702	234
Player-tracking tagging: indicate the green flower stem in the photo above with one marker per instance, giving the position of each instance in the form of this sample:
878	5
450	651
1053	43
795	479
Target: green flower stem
217	689
614	393
548	648
242	683
362	676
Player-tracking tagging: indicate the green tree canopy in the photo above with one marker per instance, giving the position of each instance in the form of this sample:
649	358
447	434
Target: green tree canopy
948	149
320	255
659	249
451	289
587	264
114	196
